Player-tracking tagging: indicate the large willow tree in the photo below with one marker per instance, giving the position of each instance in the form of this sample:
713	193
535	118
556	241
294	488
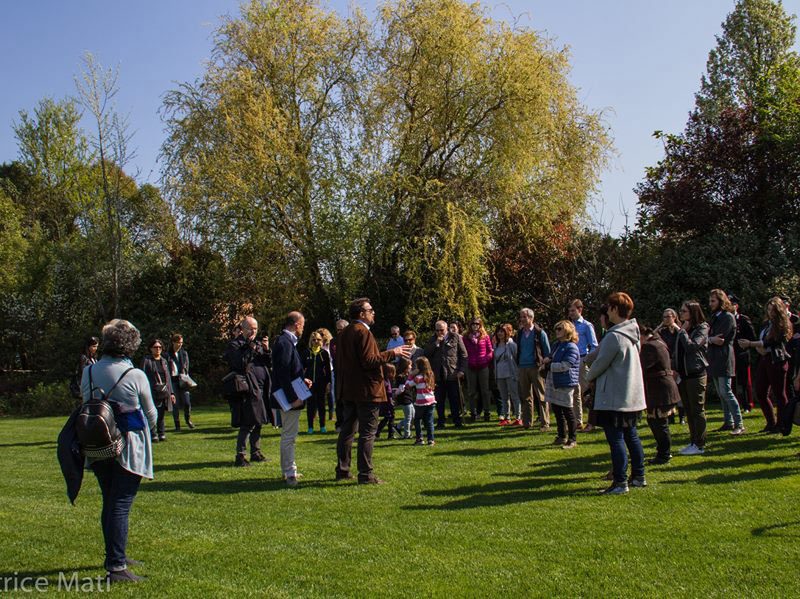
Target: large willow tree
476	127
324	156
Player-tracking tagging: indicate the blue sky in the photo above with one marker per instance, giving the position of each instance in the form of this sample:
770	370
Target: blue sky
639	61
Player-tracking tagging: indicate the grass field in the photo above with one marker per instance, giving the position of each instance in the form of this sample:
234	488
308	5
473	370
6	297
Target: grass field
486	512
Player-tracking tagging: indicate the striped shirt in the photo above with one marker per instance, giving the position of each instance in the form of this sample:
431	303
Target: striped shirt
425	396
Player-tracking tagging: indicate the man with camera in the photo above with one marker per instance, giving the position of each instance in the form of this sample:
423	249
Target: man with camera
244	391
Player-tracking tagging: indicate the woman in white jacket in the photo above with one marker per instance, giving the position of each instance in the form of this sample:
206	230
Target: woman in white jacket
619	393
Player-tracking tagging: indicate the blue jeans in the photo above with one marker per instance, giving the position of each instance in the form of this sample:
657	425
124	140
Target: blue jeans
424	413
408	418
618	438
118	487
730	405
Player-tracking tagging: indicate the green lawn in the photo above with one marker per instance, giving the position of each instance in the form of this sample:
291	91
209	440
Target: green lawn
486	512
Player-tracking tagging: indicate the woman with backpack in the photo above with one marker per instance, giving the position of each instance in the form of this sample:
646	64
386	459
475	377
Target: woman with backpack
116	381
156	367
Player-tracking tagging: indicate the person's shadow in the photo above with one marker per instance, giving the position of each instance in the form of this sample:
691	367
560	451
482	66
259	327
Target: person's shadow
53	575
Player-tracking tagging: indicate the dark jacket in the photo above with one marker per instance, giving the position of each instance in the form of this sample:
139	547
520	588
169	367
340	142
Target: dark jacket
447	358
660	389
689	356
70	457
247	408
408	395
179	364
262	364
744	330
359	378
669	339
317	368
157	372
286	367
720	357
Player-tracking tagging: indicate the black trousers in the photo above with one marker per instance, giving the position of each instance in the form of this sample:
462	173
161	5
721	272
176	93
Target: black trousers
386	420
254	434
449	390
184	400
660	430
361	417
565	421
316	405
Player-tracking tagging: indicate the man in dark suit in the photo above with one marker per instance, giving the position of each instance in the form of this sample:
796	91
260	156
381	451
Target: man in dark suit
448	358
286	367
248	412
359	384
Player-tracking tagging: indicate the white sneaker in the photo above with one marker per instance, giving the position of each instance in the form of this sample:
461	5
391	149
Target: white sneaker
739	430
692	450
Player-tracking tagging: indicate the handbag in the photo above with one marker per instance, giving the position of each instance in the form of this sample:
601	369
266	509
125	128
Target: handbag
160	388
186	382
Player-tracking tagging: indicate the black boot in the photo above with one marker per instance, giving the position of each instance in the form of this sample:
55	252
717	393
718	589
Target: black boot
241	461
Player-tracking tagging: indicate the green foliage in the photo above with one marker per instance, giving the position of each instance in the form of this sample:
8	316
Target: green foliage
43	399
717	210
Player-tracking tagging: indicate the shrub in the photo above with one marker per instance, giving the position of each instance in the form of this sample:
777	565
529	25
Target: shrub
51	399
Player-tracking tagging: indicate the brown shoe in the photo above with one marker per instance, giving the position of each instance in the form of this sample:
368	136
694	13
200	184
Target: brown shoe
344	476
374	480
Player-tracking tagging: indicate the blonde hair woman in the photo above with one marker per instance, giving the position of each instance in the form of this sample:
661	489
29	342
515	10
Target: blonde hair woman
562	382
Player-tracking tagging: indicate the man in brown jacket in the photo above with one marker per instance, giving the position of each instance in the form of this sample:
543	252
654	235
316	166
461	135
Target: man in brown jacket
359	384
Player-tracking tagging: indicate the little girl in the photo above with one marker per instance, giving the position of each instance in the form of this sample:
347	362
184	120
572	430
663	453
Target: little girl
386	411
425	402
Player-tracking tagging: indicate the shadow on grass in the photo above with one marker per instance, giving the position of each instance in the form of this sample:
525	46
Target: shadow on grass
498	494
193	465
227	487
52	575
723	478
773	530
43	444
479	451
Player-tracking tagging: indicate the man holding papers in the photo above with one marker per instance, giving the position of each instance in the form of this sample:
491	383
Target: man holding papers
291	390
359	384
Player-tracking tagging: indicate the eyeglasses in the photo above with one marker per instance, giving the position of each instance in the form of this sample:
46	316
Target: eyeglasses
369	310
559	328
156	347
476	324
409	339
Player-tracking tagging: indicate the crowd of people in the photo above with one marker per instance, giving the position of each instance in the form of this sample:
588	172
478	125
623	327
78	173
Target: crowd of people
590	378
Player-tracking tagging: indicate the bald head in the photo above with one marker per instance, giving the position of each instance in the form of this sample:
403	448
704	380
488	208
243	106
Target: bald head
249	328
295	322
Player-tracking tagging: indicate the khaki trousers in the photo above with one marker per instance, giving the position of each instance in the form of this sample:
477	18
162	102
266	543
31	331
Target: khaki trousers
531	393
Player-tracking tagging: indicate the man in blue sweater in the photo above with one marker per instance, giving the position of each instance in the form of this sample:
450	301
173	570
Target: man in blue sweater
533	347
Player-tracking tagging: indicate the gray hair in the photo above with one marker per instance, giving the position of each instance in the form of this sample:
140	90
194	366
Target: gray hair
527	312
121	338
342	322
395	328
672	312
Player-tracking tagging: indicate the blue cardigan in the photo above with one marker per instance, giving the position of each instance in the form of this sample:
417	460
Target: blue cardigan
566	352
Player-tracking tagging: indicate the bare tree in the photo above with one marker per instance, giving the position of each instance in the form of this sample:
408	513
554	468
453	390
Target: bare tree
110	141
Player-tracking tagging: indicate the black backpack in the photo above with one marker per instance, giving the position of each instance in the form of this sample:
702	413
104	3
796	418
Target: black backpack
96	424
